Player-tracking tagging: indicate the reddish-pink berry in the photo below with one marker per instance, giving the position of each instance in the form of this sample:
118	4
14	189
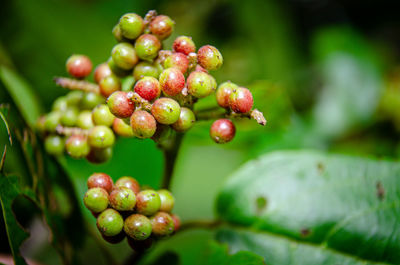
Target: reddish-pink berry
101	71
184	45
177	60
109	85
162	26
223	93
222	131
128	182
148	88
100	180
172	81
177	221
241	100
120	104
209	57
79	66
143	124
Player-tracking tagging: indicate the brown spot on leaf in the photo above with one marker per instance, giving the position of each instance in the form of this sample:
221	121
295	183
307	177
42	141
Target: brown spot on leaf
261	203
305	232
320	167
380	191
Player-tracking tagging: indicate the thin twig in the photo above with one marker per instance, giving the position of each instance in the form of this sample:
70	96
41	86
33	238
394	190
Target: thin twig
74	84
139	101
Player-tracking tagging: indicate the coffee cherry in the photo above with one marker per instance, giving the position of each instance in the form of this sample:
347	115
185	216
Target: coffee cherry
201	69
167	200
91	100
101	137
177	221
186	120
121	128
60	104
79	66
209	57
143	124
77	146
147	46
101	115
118	71
222	131
148	88
52	121
101	71
148	202
100	180
54	145
74	98
120	104
124	55
110	223
140	246
177	60
99	155
84	120
162	26
116	31
109	85
200	84
166	110
122	199
184	45
223	93
172	81
115	239
127	83
138	227
128	182
143	69
96	200
69	117
241	100
131	25
162	224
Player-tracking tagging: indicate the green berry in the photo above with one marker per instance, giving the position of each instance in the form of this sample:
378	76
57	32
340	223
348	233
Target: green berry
77	146
101	71
84	120
121	128
69	117
148	202
101	115
143	69
124	55
52	121
60	104
143	124
138	227
100	180
167	200
116	31
184	45
162	224
110	223
131	25
74	98
96	200
200	84
91	100
79	66
147	46
127	83
54	145
223	93
128	182
166	110
120	104
148	88
209	57
118	71
122	199
162	26
172	81
186	120
99	155
101	137
241	100
222	131
177	60
109	85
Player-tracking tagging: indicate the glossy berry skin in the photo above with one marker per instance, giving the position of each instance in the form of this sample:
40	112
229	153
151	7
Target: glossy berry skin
162	224
99	155
138	227
177	60
52	121
60	104
148	202
91	100
131	25
77	146
101	115
118	71
124	55
223	93
166	110
110	223
101	71
148	88
79	66
177	221
143	69
84	120
200	84
209	57
222	131
115	239
162	26
121	128
140	246
128	182
69	116
172	81
241	100
167	200
109	85
120	104
74	98
186	120
54	145
184	45
143	124
96	200
147	46
122	199
100	180
101	137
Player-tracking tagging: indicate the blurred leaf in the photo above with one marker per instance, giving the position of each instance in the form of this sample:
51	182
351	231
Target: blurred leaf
344	203
3	115
168	258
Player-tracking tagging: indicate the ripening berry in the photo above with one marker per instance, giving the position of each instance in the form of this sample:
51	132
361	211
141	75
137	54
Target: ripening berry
99	155
115	239
167	200
122	199
138	227
148	202
101	71
121	128
118	71
184	45
177	60
96	200
52	121
140	246
148	88
186	120
69	117
101	115
128	182
100	180
223	93
101	137
131	25
162	224
241	100
91	100
222	131
79	66
120	104
84	120
177	221
54	145
162	26
147	46
60	104
110	223
77	146
209	57
143	124
116	31
109	85
143	69
166	110
172	81
200	84
124	55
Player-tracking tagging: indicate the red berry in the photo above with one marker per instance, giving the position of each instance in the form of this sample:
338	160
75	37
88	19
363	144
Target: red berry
120	104
241	100
222	131
148	88
101	71
177	60
172	81
184	45
209	57
128	182
223	93
79	66
162	26
143	124
100	180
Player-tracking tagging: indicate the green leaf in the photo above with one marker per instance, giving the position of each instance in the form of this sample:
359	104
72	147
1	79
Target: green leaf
343	203
3	114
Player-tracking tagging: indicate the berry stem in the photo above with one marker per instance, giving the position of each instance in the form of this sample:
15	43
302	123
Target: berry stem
68	131
149	17
74	84
139	101
170	156
200	224
217	113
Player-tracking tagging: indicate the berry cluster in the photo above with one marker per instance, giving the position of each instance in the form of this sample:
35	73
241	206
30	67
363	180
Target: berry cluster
123	209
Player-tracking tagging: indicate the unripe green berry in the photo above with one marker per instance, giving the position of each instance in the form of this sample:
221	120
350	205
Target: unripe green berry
60	104
96	200
137	226
77	146
127	83
166	110
120	104
74	98
116	31
172	81
177	60
84	120
69	117
223	93
184	45
109	85
100	180
209	57
186	120
222	131
128	182
101	115
143	124
121	128
101	71
144	68
147	46
162	26
167	200
122	199
124	55
200	84
162	224
101	137
148	202
54	145
52	121
118	71
110	223
91	100
131	25
241	100
99	155
79	66
148	88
